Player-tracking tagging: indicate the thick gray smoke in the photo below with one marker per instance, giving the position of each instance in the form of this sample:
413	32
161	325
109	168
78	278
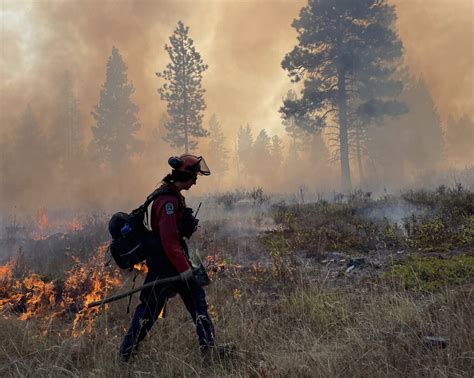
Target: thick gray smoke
242	42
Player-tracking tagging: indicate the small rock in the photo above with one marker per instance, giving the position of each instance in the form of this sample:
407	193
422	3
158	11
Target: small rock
356	261
435	342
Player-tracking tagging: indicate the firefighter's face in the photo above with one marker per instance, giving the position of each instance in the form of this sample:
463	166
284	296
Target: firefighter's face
192	181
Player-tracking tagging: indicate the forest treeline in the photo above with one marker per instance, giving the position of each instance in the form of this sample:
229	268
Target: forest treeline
354	117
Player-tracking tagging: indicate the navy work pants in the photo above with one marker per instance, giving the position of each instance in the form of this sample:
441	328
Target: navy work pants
152	302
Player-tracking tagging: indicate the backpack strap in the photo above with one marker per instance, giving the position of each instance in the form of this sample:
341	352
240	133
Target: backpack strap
162	191
151	197
143	209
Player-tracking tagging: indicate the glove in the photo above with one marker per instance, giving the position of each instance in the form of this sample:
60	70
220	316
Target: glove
186	275
200	276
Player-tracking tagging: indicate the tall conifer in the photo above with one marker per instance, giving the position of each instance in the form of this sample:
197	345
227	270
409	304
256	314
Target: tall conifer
183	91
116	117
218	153
346	50
66	137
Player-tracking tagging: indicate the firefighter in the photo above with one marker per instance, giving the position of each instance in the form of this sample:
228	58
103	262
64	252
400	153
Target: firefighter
170	221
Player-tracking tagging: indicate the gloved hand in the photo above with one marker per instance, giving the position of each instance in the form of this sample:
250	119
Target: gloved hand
186	275
200	276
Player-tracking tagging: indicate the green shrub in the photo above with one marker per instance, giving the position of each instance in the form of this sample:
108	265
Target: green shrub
439	233
444	220
432	273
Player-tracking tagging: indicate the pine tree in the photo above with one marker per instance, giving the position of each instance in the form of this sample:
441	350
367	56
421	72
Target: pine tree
317	150
379	99
183	91
29	137
422	133
346	50
276	152
262	143
66	137
261	166
30	163
218	154
116	116
298	133
261	146
411	144
244	150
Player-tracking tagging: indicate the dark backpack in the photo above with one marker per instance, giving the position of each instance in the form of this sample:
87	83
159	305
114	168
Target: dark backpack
129	234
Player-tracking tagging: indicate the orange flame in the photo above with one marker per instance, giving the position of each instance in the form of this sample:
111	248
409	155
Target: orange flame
141	267
43	221
32	297
45	226
42	225
74	225
6	271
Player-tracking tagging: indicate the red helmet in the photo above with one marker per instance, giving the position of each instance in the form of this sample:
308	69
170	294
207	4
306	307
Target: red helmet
189	164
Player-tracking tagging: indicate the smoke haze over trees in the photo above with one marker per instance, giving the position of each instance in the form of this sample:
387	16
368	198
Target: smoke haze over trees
244	152
459	139
406	148
66	141
29	157
218	153
47	156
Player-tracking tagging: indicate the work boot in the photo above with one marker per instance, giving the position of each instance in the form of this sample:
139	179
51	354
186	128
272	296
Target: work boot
127	355
128	349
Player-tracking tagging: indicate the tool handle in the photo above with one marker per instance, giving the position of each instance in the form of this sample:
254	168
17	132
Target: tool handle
130	292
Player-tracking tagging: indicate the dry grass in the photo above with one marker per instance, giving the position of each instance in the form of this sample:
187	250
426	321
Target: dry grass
281	328
289	316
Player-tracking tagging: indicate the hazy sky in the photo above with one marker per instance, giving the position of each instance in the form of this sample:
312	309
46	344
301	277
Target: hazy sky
242	41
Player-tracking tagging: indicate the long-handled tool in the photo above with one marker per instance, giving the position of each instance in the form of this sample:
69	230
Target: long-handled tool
130	292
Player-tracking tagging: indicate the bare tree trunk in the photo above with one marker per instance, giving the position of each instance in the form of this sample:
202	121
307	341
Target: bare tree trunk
186	141
295	153
238	160
359	156
346	184
186	150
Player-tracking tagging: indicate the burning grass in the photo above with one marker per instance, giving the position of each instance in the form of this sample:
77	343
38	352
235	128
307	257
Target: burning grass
290	314
33	296
281	329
